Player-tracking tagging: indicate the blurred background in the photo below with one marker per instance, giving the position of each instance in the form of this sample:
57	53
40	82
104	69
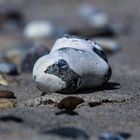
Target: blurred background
28	30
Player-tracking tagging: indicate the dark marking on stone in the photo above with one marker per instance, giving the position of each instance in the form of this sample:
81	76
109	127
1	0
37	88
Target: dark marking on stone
100	53
109	73
62	70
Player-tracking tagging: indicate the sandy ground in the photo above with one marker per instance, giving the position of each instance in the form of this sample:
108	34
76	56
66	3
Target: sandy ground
124	86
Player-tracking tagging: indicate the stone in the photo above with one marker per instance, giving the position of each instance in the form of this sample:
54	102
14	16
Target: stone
3	80
14	19
35	52
69	103
7	103
16	53
108	45
114	136
11	17
94	16
8	68
72	64
6	94
39	29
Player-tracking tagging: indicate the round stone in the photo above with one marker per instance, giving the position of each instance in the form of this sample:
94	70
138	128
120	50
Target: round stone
8	68
72	64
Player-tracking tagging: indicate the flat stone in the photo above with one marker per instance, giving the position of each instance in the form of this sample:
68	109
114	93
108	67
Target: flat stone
69	103
7	103
6	94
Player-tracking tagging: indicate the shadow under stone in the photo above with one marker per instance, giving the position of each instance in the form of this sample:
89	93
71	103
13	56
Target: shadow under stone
106	86
68	132
10	118
67	112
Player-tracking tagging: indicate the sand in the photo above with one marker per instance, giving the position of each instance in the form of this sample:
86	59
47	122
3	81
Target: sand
122	114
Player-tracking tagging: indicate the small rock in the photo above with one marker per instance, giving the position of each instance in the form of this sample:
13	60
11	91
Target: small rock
39	29
108	45
94	16
72	64
7	103
35	52
114	136
6	94
3	80
8	68
14	19
11	17
16	53
70	103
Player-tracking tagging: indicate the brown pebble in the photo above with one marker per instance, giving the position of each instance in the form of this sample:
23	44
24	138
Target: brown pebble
69	103
6	94
6	103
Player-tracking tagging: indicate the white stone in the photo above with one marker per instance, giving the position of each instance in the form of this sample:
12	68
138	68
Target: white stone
68	69
39	29
94	16
108	45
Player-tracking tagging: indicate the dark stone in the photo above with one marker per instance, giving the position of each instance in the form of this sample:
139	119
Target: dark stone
34	53
6	94
69	103
14	18
93	104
